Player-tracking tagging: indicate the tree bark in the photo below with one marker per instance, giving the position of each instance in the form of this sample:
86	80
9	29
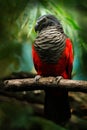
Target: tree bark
43	83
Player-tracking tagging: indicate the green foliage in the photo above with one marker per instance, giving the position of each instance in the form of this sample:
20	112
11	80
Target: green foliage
15	116
11	43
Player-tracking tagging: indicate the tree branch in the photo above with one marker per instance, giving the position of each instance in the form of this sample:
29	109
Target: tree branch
43	83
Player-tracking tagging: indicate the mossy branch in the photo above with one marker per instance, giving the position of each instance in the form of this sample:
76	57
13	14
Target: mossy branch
43	83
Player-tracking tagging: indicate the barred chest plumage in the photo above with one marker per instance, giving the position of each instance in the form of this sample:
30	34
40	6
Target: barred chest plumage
50	44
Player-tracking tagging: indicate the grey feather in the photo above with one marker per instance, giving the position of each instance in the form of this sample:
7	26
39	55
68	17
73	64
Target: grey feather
49	44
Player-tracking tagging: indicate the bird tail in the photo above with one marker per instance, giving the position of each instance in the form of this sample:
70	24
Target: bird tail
57	106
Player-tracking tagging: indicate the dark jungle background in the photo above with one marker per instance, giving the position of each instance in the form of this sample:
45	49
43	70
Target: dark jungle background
23	111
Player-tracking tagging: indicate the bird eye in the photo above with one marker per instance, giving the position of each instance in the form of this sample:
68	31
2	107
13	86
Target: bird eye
44	20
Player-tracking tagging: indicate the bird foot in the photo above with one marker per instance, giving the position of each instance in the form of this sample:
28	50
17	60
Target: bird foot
58	78
37	77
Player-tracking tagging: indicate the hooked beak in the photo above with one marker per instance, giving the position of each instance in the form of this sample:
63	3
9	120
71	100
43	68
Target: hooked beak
36	27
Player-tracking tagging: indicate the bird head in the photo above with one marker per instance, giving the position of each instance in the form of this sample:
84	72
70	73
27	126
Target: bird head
47	20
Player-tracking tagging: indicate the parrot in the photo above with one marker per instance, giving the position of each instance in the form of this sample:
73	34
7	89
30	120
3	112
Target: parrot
52	54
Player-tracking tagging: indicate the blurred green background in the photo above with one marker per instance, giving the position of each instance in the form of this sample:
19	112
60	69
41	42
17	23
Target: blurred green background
17	20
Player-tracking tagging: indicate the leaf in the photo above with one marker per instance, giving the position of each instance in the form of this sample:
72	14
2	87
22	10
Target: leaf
23	18
72	23
42	10
32	18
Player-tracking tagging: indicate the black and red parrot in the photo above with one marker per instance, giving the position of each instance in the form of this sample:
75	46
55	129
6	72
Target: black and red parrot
53	56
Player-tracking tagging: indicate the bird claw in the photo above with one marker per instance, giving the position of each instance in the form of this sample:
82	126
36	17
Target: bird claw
58	78
37	77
